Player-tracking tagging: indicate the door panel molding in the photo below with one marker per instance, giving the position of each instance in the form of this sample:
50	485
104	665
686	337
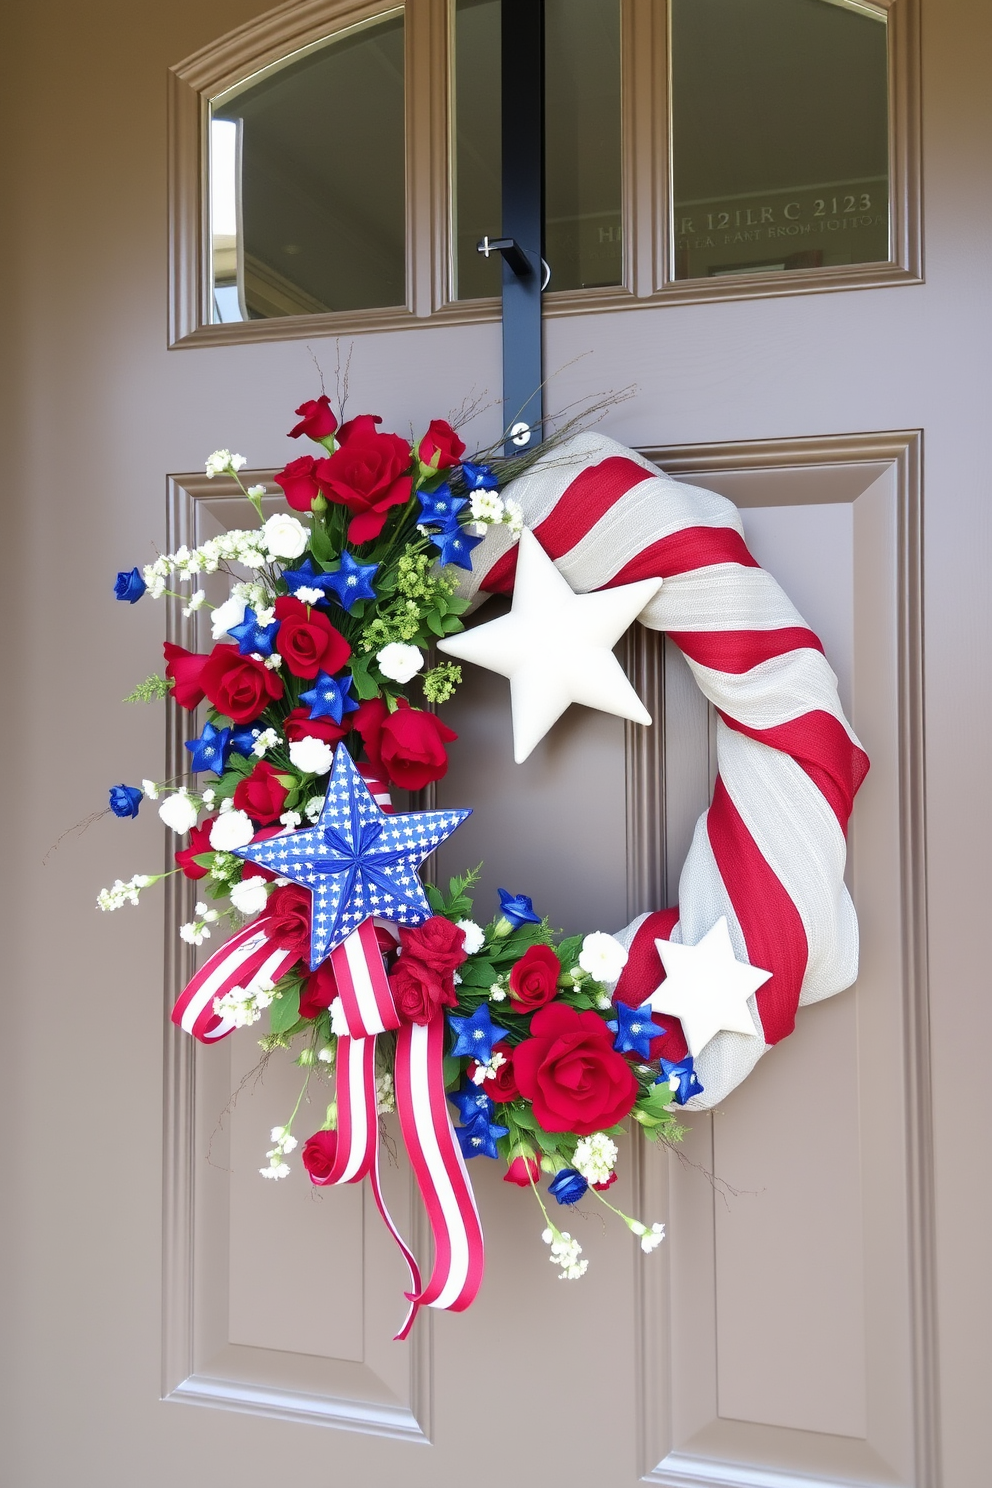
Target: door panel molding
685	1441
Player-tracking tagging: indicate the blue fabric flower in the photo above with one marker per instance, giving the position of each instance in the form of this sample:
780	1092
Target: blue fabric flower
455	546
479	477
478	1138
634	1029
475	1036
568	1186
129	586
351	582
304	577
689	1083
125	799
328	698
210	750
243	737
251	636
440	507
470	1101
518	909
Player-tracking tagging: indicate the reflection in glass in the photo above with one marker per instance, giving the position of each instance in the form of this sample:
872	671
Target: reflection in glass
307	178
582	144
779	135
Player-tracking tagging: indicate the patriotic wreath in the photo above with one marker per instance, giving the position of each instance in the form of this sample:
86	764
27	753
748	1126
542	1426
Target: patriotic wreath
389	986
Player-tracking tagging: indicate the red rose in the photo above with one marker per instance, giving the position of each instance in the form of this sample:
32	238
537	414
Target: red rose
307	641
600	1187
184	669
239	686
316	419
523	1171
318	1155
418	990
262	794
363	425
437	942
368	475
288	910
571	1073
299	725
534	978
408	744
441	446
255	870
199	842
502	1086
319	991
299	484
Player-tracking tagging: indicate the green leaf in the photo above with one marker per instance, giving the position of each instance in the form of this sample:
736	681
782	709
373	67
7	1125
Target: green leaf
452	1072
285	1009
525	1118
204	860
320	543
434	898
568	951
365	687
477	973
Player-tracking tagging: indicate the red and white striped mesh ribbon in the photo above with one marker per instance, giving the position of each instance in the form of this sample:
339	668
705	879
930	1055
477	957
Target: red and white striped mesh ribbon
770	851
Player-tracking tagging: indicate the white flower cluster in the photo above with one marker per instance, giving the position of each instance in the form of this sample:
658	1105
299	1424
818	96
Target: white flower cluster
121	893
197	931
250	549
311	756
265	739
385	1096
231	829
491	510
313	808
283	1142
565	1253
245	1005
474	936
595	1157
650	1238
483	1072
221	461
249	896
602	957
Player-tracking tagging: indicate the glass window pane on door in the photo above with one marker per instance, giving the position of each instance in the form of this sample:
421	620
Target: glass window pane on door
780	135
307	188
582	144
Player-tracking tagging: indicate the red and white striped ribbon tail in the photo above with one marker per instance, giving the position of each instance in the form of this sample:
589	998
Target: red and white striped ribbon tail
769	853
379	788
459	1252
247	960
366	1002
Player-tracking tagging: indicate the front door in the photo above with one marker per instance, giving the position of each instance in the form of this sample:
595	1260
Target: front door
744	264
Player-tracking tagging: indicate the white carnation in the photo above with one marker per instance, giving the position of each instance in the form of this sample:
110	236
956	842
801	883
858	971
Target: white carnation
233	829
311	756
399	662
178	812
474	936
249	896
284	536
602	957
231	612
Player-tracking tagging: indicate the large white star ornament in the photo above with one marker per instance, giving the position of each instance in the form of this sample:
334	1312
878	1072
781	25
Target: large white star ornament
706	987
556	647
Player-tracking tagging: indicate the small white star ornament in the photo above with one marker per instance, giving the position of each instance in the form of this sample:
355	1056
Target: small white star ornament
706	987
556	647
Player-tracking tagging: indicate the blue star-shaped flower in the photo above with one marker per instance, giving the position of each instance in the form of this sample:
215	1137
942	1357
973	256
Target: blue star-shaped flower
478	1138
455	546
243	737
251	636
304	577
470	1101
353	581
210	750
440	507
479	477
689	1082
517	908
634	1029
356	860
475	1036
328	698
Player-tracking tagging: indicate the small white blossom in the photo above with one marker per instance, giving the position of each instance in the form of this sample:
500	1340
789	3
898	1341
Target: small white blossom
267	739
565	1253
291	820
226	805
225	865
231	612
474	936
483	1072
221	461
208	796
207	915
652	1238
284	536
244	1005
487	506
121	893
339	1022
273	662
307	595
311	756
276	1169
399	662
195	602
232	829
313	808
155	582
326	1054
249	896
595	1157
514	517
385	1099
497	993
150	788
256	490
178	812
602	957
193	933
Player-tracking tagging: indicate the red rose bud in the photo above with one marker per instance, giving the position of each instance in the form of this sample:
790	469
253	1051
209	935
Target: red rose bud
239	686
363	425
199	843
534	978
316	419
318	1155
308	643
523	1171
288	912
299	725
408	744
599	1187
570	1072
184	669
262	794
319	991
440	447
299	484
368	475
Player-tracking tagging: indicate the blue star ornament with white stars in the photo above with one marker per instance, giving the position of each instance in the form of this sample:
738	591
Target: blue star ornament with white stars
351	582
253	637
330	698
682	1079
440	507
475	1036
356	860
210	750
479	1137
634	1029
